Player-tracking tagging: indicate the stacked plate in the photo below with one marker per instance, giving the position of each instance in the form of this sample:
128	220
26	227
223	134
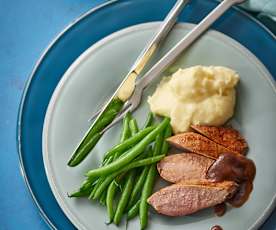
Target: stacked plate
81	68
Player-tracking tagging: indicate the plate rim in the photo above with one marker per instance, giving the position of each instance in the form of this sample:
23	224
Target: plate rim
23	99
33	73
84	56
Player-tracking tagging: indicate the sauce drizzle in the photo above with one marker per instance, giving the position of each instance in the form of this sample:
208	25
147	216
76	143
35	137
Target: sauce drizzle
242	194
235	168
220	209
216	227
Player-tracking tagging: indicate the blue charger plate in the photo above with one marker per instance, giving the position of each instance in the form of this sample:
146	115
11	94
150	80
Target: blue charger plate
88	29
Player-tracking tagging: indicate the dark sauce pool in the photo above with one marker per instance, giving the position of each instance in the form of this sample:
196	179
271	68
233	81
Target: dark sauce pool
216	227
234	168
220	209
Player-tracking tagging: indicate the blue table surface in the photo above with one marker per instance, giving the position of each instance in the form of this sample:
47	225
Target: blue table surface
26	28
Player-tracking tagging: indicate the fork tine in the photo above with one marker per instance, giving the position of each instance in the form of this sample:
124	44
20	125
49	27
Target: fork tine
118	118
97	113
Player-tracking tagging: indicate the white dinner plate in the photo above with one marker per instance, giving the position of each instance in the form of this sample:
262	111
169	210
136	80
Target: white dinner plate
94	76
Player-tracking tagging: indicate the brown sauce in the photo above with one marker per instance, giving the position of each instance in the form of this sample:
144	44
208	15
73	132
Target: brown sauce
232	167
220	209
242	195
235	168
216	227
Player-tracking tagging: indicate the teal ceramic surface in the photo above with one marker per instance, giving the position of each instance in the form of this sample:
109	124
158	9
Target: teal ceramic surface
95	75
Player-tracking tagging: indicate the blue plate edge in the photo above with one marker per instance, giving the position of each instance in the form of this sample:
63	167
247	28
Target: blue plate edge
258	222
24	95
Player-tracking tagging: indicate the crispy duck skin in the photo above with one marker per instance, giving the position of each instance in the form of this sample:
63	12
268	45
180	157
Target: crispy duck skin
186	198
199	144
184	166
226	136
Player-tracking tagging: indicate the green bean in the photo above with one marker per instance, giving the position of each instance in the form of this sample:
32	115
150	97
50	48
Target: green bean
127	144
104	185
111	191
117	183
146	192
124	197
158	144
93	193
97	184
124	136
86	184
149	183
90	183
112	188
139	183
79	194
132	165
86	187
103	198
138	186
93	135
133	211
134	152
99	180
133	127
108	160
125	131
149	120
165	145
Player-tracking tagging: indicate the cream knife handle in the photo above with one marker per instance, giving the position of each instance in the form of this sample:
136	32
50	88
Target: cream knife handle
162	32
150	48
147	52
194	34
127	86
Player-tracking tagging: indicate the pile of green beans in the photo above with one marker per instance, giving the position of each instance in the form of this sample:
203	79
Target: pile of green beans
127	174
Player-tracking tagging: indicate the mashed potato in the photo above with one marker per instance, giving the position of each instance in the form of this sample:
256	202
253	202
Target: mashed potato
196	95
